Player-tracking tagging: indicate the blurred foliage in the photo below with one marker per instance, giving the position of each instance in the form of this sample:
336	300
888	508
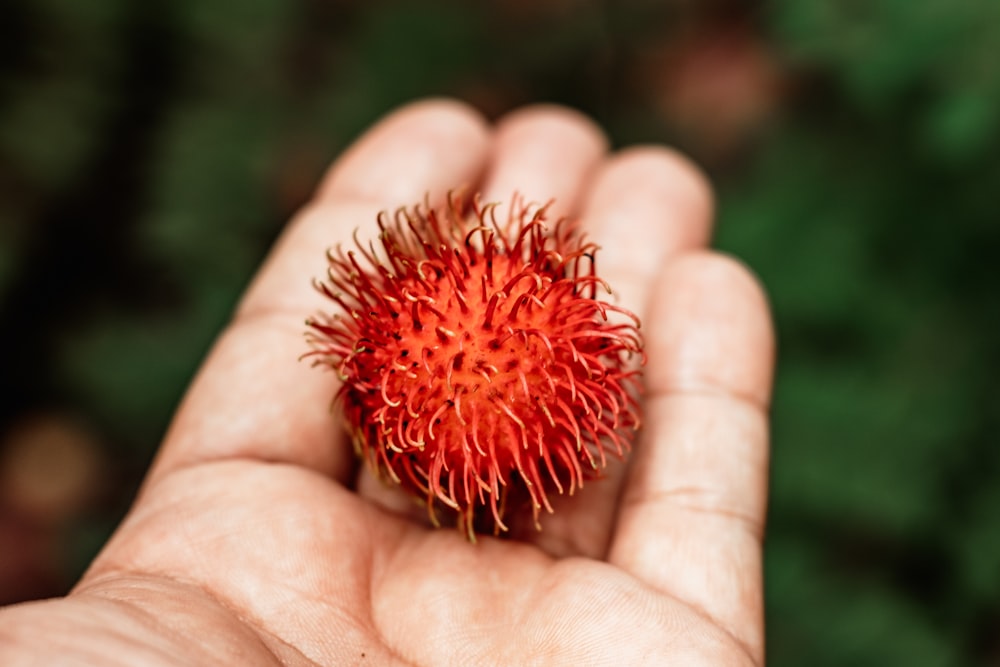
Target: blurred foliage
150	152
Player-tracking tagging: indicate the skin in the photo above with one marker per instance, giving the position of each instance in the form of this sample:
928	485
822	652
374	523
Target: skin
256	540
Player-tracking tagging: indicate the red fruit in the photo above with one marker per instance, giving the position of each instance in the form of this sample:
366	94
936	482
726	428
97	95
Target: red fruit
477	361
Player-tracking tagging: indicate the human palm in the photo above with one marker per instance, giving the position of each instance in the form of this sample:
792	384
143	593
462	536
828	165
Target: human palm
256	539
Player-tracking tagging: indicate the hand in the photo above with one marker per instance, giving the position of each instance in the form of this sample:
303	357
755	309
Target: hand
255	540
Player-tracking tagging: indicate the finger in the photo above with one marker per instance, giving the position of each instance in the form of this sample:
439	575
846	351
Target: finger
252	398
646	205
691	515
542	153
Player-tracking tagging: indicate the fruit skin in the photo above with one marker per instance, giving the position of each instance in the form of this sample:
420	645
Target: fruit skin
478	364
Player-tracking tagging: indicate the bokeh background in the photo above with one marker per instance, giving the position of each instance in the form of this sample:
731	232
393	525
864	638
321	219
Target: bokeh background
151	151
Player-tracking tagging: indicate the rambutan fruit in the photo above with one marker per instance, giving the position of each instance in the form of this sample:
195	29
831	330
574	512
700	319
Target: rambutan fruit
478	363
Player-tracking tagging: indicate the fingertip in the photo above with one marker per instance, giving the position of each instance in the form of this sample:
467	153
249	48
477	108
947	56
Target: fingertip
646	206
544	153
735	350
552	120
717	269
440	114
713	270
656	168
422	132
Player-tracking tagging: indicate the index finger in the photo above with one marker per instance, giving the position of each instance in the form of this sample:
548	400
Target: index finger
252	398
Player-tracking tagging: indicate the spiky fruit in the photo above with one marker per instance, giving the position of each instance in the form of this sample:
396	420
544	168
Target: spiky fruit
477	362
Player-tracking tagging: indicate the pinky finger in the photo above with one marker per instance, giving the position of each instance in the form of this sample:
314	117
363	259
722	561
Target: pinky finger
691	516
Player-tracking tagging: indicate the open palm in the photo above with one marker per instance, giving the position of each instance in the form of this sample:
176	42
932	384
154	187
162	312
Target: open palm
256	539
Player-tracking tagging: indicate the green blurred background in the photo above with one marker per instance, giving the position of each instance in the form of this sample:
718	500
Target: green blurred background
151	151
